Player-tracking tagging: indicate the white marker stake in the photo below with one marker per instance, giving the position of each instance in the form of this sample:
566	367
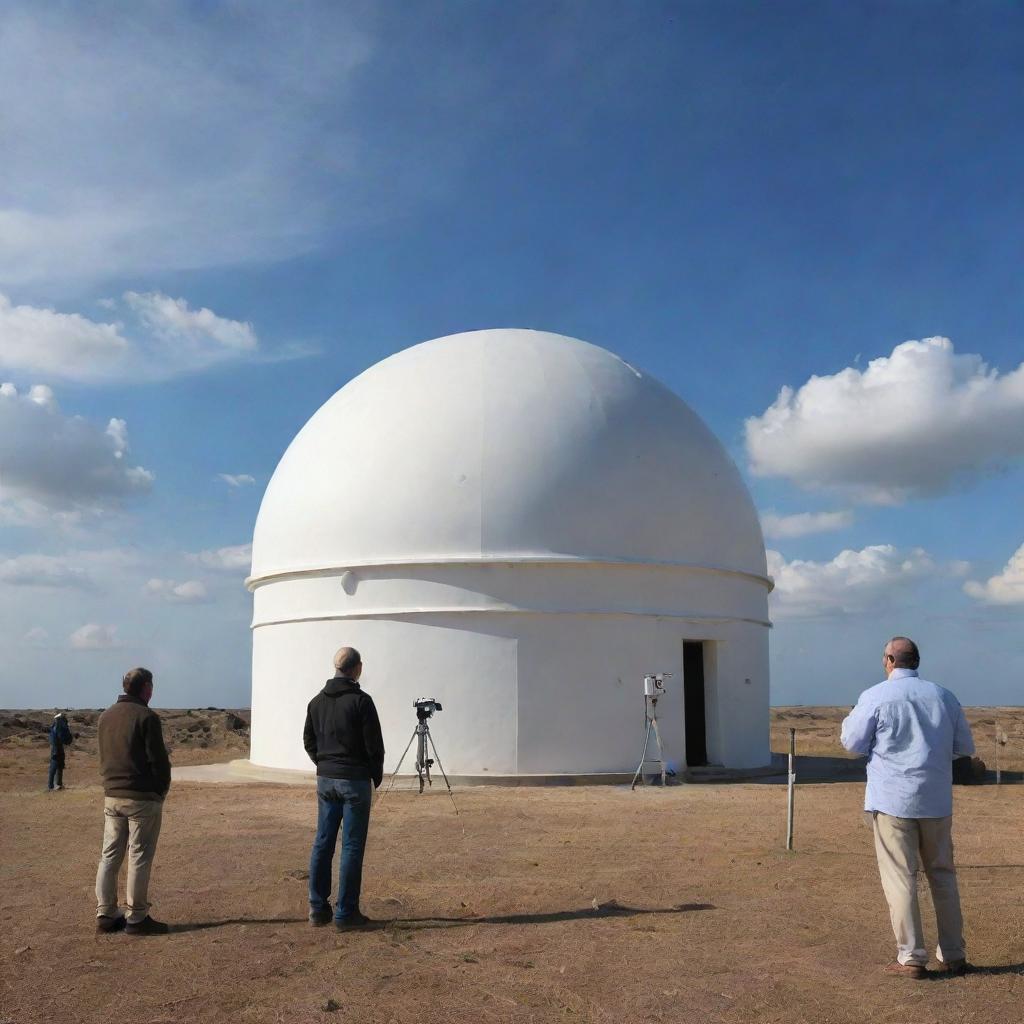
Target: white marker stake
792	781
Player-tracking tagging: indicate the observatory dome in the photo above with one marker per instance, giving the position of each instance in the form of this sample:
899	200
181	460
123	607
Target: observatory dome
505	443
521	525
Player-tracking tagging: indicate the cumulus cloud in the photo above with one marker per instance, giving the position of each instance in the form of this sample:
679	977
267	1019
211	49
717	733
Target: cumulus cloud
149	139
94	637
915	423
44	571
802	524
50	462
172	318
852	582
160	337
45	341
187	592
1005	588
36	637
236	480
239	556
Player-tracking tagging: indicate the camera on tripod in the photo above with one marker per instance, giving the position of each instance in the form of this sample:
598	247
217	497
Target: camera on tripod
425	707
654	683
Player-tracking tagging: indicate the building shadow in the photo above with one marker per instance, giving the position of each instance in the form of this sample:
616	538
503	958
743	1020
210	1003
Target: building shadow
812	769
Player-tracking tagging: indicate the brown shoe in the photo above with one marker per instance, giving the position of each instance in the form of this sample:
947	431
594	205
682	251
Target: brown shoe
898	970
955	967
107	925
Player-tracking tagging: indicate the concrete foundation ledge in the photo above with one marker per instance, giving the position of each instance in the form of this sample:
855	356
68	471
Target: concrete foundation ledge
243	771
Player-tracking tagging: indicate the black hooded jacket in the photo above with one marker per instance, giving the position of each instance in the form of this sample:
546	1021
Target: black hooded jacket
342	734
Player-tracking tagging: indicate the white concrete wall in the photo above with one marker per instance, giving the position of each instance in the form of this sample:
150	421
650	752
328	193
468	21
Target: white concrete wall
472	674
533	679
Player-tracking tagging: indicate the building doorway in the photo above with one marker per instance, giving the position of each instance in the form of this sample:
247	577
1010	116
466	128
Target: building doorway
694	712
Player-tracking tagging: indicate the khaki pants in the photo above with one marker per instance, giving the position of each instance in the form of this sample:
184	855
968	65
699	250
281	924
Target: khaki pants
903	846
132	826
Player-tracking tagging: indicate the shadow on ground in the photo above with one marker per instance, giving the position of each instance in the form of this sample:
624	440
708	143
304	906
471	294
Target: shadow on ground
550	917
978	969
423	923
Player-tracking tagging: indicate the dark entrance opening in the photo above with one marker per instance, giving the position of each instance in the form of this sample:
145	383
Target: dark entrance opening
693	703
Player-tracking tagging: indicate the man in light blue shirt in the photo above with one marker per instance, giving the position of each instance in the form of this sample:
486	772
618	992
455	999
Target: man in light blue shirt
911	730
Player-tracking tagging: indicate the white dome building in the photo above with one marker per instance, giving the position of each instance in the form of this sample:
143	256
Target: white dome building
520	525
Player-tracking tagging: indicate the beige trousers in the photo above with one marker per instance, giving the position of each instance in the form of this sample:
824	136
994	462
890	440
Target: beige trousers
132	826
904	846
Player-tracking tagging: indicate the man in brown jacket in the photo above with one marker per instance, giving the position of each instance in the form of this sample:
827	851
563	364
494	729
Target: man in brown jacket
136	775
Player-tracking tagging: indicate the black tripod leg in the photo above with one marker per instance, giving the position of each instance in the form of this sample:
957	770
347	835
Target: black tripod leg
394	774
443	775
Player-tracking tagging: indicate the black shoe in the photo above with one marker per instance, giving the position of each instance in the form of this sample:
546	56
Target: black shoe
108	925
353	922
318	918
147	926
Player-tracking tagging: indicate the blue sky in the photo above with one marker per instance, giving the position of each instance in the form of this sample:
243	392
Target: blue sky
214	215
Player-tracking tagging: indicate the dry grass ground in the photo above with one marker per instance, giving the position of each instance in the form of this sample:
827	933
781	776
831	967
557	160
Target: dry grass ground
490	915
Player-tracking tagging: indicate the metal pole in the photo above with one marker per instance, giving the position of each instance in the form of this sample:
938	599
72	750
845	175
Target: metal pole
999	773
792	781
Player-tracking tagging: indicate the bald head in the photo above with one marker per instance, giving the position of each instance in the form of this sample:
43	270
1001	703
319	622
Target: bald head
348	663
903	652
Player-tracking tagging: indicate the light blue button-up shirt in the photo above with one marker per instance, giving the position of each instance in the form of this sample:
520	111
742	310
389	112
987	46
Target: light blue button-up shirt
910	730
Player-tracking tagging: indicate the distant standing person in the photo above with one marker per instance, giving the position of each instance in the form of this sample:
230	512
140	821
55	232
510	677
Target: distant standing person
911	730
60	737
342	737
136	773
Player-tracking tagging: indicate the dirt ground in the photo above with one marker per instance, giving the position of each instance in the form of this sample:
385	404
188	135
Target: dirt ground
817	733
701	915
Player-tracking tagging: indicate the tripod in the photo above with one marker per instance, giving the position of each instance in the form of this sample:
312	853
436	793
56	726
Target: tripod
651	723
421	734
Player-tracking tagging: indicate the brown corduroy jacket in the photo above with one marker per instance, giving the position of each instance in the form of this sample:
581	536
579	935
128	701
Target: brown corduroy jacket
133	759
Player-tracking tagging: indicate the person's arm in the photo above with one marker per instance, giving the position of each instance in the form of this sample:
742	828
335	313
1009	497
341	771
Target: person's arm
309	736
156	753
858	731
374	741
963	741
66	736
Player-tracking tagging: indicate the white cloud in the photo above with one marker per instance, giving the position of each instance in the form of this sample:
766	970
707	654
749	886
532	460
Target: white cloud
804	523
188	592
36	637
915	423
94	637
155	140
52	463
236	480
1005	588
44	571
172	319
51	343
852	582
230	558
160	337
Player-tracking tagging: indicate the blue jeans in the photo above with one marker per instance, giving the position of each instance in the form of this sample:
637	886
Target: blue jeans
56	776
343	803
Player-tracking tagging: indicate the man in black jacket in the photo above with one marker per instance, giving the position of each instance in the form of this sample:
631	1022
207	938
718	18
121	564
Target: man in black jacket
60	737
343	739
